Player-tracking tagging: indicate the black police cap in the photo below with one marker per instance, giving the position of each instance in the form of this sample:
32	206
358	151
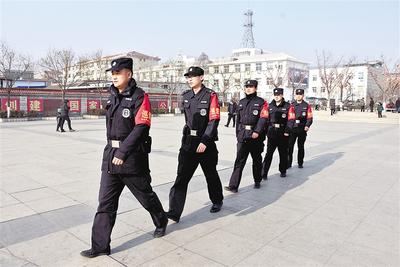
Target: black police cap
194	71
299	91
121	63
249	83
278	91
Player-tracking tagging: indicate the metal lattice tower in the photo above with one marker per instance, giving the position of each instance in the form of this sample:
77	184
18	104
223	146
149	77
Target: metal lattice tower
248	38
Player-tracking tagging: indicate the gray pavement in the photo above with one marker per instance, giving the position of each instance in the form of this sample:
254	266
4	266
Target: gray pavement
342	209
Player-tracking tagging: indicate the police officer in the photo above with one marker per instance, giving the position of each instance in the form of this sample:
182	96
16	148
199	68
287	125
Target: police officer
281	119
125	157
202	116
252	118
303	121
232	106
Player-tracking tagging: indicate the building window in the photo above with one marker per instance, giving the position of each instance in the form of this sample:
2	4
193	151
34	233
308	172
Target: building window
258	66
237	68
210	69
216	83
280	80
247	67
226	69
314	78
314	89
269	81
216	70
361	75
237	81
322	89
226	83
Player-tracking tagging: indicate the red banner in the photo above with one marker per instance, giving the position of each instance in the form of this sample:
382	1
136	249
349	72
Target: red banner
35	105
75	105
14	104
93	104
162	105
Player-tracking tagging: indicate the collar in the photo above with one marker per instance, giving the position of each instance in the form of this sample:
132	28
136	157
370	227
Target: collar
128	91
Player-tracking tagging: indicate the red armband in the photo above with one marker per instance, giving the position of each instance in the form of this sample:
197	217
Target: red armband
291	115
143	116
265	111
214	108
309	112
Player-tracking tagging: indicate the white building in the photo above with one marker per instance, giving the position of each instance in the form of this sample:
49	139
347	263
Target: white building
92	72
228	74
360	85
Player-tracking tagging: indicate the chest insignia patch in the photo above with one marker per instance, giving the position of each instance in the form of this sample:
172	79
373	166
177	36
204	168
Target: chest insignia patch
283	115
304	113
203	112
255	112
126	113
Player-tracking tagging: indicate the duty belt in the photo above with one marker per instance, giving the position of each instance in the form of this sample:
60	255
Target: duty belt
297	121
248	127
276	125
114	143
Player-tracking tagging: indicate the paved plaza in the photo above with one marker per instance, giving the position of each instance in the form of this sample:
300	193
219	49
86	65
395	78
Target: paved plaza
341	209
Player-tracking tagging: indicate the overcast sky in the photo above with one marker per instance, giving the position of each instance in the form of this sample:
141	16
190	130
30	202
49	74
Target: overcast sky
364	29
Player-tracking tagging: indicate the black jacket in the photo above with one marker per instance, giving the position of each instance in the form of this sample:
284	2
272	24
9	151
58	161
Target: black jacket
232	108
281	119
202	117
64	110
128	120
303	115
252	113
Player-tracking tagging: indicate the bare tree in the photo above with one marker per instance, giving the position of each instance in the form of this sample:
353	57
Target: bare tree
328	72
173	78
13	67
101	77
386	78
277	77
343	77
296	79
62	68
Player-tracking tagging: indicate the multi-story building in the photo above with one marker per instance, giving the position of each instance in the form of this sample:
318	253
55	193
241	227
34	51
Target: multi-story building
228	74
90	73
360	83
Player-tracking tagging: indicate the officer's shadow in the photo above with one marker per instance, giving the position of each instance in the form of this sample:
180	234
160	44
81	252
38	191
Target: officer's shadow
246	201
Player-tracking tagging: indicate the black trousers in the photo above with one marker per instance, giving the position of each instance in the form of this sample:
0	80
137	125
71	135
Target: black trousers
111	187
233	117
379	114
58	122
282	143
63	119
187	165
301	136
254	148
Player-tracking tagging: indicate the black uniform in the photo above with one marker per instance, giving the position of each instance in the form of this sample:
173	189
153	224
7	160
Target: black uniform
252	116
128	123
281	119
303	118
202	116
231	113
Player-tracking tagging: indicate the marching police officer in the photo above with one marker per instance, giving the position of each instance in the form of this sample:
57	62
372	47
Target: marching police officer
303	121
281	119
202	116
252	118
125	157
